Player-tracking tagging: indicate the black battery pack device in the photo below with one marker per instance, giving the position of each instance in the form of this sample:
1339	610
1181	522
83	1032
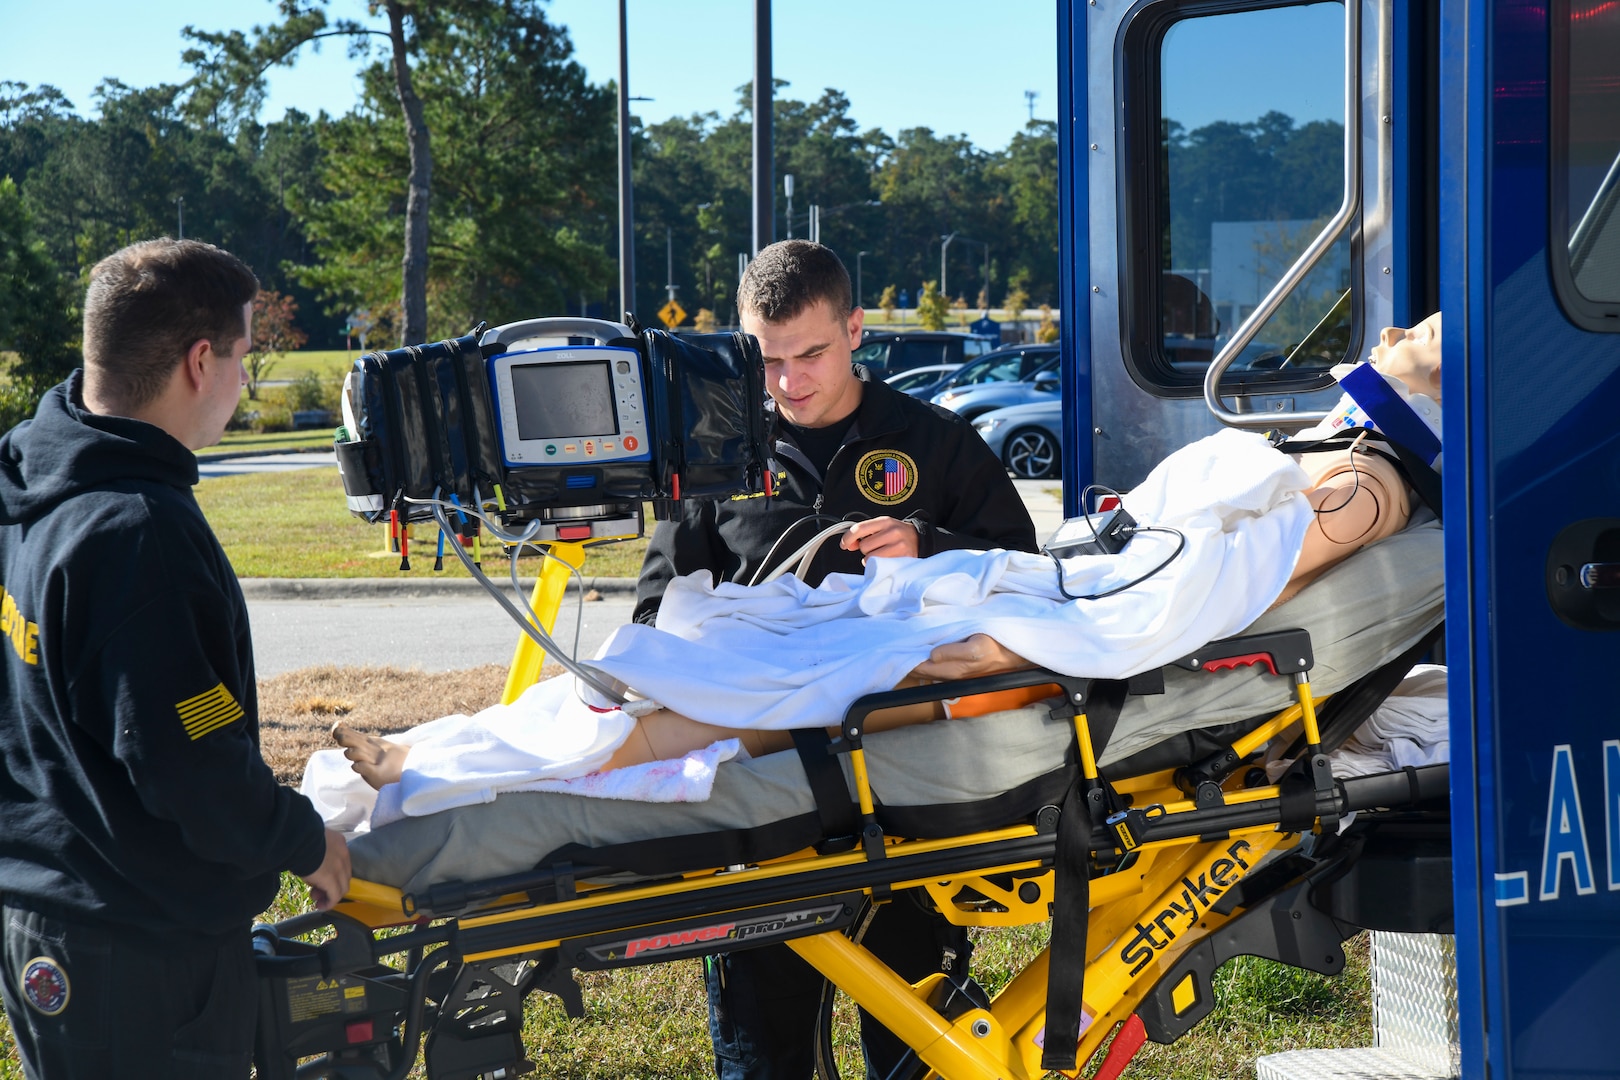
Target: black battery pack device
1103	533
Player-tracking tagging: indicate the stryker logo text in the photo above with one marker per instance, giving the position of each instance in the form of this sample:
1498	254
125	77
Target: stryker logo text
1178	916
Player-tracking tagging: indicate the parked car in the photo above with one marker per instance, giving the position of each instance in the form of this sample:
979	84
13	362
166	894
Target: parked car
889	352
1003	365
1027	438
973	400
923	382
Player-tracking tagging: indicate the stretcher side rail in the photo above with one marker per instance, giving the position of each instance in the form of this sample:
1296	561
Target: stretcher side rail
748	889
1281	652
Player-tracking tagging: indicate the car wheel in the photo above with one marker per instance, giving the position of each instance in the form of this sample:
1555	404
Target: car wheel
1031	454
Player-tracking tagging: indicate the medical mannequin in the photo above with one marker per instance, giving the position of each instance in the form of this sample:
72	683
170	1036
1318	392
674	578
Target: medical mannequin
1358	495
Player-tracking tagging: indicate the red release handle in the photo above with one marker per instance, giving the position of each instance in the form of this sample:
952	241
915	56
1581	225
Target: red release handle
1242	660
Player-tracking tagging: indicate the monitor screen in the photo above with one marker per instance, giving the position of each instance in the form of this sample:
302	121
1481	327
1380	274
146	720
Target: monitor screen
564	401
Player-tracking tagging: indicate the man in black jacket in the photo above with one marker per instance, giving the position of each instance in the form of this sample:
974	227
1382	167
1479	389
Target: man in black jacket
917	479
140	829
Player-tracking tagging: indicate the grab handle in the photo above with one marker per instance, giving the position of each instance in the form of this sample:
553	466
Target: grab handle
512	334
1596	575
1348	209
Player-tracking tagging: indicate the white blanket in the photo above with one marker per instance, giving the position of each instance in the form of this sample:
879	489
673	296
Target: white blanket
544	741
1411	728
784	655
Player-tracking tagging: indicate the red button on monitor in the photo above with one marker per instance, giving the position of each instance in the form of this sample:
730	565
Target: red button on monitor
630	442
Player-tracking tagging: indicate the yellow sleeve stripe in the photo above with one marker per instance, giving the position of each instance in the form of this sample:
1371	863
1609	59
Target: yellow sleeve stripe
208	711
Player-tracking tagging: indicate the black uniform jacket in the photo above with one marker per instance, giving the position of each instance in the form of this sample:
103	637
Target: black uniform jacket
902	458
131	786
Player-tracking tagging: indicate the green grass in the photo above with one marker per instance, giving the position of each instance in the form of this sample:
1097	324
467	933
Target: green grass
323	362
237	442
295	524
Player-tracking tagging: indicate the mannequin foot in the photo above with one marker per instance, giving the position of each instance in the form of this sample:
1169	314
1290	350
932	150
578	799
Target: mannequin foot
377	760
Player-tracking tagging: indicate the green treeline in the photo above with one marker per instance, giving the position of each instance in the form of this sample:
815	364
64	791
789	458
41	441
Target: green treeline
517	149
523	210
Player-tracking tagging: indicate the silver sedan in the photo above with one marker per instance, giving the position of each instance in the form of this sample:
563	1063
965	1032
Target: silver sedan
1027	438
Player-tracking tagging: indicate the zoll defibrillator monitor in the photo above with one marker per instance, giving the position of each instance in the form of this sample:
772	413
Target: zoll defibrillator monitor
569	406
573	423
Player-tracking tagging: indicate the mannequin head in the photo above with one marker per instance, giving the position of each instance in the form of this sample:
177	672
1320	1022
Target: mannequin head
1412	356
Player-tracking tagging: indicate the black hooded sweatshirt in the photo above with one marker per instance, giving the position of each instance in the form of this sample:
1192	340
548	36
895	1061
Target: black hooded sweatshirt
132	790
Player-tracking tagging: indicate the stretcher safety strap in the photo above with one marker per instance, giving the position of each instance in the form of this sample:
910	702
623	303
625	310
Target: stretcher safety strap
1296	799
1417	472
1071	899
837	811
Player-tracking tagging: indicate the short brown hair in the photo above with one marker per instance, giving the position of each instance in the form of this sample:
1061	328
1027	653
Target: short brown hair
149	303
790	276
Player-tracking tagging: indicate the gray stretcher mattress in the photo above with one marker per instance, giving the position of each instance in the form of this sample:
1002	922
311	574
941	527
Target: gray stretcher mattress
1360	614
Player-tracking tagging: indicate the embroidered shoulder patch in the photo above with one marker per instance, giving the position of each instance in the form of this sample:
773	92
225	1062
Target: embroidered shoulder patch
45	985
886	477
208	711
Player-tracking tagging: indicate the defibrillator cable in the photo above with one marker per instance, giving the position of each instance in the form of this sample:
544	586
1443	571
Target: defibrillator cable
1132	531
771	554
586	674
545	552
800	560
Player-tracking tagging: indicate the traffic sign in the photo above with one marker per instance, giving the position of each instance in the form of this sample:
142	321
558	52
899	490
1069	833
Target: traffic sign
671	315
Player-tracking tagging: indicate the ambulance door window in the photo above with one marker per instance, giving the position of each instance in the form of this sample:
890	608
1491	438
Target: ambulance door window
1585	187
1242	165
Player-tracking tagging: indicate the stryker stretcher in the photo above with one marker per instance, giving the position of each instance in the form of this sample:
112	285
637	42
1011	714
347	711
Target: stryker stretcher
1126	812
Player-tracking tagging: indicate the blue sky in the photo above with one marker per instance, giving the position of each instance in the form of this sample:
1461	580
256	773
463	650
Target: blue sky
957	66
943	64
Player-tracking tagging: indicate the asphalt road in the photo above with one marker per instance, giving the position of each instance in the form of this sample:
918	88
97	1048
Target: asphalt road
230	465
384	621
434	633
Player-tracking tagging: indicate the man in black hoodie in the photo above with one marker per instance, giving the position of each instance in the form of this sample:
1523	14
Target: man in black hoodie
140	829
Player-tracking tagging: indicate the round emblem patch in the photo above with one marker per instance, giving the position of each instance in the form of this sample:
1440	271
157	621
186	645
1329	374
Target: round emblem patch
45	985
886	477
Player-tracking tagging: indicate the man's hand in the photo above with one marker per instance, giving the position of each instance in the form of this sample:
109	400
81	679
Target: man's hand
885	536
978	655
331	879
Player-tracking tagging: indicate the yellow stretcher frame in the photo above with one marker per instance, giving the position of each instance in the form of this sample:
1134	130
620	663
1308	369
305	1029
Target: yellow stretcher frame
1005	1039
979	1044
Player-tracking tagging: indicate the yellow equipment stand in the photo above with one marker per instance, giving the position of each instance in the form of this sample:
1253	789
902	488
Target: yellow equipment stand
549	587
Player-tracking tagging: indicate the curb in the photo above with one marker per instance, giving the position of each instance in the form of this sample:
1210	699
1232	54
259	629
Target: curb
404	587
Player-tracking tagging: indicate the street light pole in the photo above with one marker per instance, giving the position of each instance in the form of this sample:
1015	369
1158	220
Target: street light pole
859	255
627	236
787	189
669	256
944	246
764	90
180	224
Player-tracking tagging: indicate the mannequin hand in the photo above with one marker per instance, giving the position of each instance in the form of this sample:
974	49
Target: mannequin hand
978	655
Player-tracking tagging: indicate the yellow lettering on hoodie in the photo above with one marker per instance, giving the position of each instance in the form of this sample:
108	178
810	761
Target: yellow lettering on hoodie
17	629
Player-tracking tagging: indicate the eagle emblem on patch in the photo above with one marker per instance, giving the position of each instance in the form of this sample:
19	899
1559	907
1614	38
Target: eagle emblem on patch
886	477
208	712
45	985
